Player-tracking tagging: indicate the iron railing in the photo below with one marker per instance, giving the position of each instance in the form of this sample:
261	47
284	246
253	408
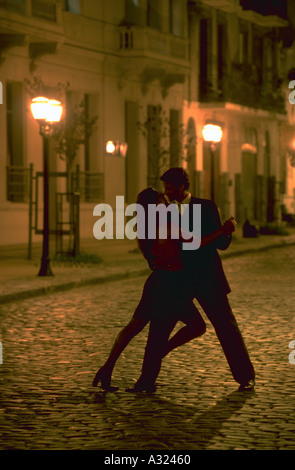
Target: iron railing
245	85
17	183
44	9
89	185
17	6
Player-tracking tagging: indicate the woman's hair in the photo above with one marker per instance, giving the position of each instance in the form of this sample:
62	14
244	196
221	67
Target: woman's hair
148	196
144	198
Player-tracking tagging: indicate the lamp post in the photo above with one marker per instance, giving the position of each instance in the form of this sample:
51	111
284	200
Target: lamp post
212	133
46	112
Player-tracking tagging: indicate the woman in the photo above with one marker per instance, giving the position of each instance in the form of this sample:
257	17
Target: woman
160	297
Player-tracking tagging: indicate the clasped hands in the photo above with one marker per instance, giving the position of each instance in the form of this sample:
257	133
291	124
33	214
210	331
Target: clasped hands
229	226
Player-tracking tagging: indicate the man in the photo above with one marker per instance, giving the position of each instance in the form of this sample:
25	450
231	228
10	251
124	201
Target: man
203	278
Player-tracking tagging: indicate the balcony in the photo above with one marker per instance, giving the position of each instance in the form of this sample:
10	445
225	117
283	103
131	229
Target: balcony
153	55
36	23
42	9
136	41
247	86
15	6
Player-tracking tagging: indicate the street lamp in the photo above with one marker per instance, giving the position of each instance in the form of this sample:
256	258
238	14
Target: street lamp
46	112
115	147
212	133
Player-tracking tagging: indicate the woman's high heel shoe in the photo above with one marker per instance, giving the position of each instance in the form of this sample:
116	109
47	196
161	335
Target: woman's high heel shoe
105	380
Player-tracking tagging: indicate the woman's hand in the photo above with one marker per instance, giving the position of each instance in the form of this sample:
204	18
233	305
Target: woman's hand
229	226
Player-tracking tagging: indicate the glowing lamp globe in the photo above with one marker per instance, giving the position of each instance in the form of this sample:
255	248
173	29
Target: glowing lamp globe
46	110
110	147
39	107
54	111
212	133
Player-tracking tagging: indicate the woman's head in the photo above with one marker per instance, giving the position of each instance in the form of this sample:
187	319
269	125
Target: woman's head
148	196
145	198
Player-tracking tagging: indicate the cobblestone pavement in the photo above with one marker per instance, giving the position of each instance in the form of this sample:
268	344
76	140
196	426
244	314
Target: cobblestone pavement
52	346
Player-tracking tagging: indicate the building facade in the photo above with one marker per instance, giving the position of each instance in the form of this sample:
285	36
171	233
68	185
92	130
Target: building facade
152	72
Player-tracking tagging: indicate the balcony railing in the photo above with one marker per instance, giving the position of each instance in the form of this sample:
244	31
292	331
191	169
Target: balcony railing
17	183
44	9
245	86
17	6
143	40
89	185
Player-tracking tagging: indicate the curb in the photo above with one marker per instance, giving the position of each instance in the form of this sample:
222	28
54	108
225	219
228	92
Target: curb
247	251
31	293
37	292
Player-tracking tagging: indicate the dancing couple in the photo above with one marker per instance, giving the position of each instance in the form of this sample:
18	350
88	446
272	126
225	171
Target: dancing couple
178	277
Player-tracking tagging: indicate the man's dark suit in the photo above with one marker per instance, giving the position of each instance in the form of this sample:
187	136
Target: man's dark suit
204	263
204	279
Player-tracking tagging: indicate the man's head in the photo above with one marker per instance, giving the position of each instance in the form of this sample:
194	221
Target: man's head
176	183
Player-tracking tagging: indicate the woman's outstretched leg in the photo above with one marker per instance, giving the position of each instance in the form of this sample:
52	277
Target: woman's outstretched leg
104	374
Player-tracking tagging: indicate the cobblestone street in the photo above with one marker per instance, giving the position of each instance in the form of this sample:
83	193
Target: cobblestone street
53	345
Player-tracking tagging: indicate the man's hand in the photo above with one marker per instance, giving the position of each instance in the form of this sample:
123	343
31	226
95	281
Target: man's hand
229	226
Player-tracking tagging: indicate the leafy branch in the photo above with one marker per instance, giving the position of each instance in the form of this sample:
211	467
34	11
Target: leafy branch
167	144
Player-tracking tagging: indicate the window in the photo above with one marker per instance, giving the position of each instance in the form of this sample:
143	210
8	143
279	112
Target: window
257	56
175	141
205	53
221	60
243	47
176	18
17	175
14	116
153	14
73	6
134	13
154	148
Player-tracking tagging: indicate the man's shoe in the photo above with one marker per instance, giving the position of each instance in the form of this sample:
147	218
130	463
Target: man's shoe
247	386
139	387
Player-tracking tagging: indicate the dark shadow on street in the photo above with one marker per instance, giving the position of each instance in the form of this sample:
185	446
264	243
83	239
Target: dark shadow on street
165	424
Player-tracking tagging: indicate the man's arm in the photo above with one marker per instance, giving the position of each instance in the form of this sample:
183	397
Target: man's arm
223	241
224	231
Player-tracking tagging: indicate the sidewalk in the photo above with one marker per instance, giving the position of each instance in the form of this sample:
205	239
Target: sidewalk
120	259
